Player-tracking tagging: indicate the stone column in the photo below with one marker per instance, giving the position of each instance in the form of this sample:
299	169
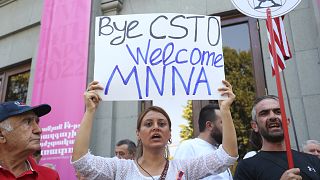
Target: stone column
111	7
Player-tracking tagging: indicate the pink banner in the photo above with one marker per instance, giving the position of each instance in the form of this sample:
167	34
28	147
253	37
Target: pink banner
60	78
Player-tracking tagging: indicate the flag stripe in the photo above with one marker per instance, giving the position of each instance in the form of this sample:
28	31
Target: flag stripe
281	43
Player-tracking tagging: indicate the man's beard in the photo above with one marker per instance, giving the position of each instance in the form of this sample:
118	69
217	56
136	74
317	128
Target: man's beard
271	137
216	134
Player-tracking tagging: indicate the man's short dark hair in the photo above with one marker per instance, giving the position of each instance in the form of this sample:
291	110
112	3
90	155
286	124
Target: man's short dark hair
207	113
257	100
131	145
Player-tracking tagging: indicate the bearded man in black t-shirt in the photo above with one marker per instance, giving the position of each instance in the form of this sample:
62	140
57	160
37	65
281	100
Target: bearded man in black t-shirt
271	162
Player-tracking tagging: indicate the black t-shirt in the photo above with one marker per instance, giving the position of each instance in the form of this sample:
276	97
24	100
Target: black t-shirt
269	165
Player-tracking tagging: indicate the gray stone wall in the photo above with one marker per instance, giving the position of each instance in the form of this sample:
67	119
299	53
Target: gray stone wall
19	33
203	7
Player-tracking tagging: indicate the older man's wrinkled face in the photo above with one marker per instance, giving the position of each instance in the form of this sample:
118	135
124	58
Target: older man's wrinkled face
122	152
313	149
269	120
23	133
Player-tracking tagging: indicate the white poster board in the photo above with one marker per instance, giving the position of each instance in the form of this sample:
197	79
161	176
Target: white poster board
154	56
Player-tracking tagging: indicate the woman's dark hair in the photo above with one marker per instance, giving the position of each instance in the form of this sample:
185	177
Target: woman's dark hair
155	109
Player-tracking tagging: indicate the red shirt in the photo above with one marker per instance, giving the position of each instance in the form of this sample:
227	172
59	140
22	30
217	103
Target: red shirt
36	172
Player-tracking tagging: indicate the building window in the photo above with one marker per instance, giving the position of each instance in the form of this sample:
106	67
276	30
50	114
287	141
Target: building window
14	83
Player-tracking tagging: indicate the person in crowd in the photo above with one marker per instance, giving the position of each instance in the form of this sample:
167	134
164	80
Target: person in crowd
312	147
270	163
209	139
153	133
37	156
255	142
19	139
125	149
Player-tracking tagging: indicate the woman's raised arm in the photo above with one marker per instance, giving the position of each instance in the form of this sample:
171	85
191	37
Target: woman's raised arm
229	137
82	140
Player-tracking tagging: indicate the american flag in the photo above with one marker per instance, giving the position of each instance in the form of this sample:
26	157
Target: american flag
281	43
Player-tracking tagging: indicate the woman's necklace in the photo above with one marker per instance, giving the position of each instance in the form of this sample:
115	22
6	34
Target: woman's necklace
163	174
144	170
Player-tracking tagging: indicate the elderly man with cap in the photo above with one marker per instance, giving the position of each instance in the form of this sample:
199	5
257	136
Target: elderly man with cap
19	139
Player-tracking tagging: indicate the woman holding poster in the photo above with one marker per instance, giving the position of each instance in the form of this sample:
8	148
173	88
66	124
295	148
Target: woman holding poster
153	133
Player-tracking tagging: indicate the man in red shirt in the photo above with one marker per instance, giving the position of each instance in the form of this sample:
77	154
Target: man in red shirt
19	139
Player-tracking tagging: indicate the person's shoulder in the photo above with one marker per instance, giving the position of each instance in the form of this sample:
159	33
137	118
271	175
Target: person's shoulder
187	142
302	154
250	160
306	156
249	154
248	165
186	145
194	143
43	170
246	169
185	149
